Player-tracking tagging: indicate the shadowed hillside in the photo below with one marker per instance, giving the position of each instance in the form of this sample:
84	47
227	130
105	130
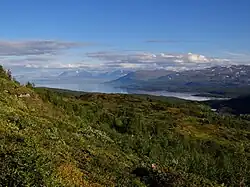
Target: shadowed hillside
58	138
239	105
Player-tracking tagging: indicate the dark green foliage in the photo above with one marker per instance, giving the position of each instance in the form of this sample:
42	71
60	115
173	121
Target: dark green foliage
5	74
22	165
239	105
9	74
158	178
30	85
63	138
145	130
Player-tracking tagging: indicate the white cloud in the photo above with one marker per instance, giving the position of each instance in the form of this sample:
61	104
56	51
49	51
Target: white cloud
50	54
36	47
139	60
174	41
130	65
196	58
243	58
167	55
133	61
38	53
179	61
237	54
106	61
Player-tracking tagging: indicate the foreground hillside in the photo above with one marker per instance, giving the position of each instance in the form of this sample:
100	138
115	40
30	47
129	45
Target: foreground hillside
53	138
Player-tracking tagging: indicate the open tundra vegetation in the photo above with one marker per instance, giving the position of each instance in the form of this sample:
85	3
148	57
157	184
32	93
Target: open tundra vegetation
60	138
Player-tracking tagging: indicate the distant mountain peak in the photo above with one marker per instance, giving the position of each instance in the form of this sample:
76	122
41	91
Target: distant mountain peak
82	74
75	73
212	78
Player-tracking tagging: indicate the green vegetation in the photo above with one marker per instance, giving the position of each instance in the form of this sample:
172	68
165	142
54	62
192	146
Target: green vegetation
239	105
59	138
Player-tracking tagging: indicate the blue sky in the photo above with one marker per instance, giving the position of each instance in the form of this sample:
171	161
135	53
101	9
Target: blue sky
134	33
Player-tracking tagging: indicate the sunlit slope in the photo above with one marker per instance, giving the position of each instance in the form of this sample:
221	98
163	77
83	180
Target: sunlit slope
50	138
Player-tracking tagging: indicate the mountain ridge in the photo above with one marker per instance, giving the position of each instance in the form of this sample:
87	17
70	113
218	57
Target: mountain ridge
81	74
212	79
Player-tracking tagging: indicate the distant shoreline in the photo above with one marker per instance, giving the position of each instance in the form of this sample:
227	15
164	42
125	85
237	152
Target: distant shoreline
180	95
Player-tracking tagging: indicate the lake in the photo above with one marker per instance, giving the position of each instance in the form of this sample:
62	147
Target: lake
186	96
96	87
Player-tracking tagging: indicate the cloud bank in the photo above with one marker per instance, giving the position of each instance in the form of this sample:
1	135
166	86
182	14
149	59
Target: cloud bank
147	60
173	41
50	54
35	47
37	53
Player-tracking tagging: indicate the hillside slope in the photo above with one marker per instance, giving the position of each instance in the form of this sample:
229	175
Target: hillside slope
239	105
51	138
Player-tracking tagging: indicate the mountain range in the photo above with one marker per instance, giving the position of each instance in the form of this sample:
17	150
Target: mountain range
76	76
82	74
214	80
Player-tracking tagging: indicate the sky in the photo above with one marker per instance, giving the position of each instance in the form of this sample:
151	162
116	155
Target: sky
123	34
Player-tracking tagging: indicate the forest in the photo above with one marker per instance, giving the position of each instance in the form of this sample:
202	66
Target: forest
52	137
